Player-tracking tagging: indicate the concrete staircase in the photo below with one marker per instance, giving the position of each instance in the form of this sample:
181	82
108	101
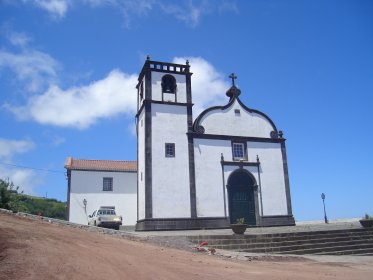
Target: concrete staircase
327	242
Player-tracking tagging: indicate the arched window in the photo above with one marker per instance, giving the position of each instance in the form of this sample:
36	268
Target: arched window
168	84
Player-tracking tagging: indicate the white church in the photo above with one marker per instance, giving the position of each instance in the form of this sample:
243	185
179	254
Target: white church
191	173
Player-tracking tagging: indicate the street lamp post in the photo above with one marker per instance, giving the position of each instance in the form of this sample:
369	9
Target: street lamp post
323	201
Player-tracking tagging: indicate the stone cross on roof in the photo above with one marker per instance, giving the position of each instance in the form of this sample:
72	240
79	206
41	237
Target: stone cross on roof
233	77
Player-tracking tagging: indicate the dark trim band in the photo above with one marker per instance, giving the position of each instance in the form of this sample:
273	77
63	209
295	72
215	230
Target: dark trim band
161	102
236	138
239	163
277	220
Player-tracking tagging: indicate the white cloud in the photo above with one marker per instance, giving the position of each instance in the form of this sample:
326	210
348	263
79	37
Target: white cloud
8	148
80	107
19	39
35	68
56	8
26	179
189	13
208	84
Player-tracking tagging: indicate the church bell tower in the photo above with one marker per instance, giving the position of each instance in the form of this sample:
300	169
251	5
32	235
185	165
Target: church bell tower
165	184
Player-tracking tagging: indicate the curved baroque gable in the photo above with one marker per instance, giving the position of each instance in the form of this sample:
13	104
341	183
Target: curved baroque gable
235	119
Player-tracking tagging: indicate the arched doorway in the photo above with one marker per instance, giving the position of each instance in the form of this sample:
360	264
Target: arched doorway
241	197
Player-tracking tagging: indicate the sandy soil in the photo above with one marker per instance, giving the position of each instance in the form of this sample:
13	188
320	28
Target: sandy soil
31	249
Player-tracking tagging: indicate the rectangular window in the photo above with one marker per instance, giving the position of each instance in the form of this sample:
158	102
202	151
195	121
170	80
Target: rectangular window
107	184
238	151
170	149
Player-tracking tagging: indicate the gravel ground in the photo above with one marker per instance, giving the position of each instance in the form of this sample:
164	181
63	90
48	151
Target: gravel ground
45	249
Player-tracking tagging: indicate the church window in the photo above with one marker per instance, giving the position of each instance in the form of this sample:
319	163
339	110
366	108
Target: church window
170	149
107	184
168	84
238	151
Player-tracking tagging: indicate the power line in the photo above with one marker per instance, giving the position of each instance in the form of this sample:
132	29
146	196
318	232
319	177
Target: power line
33	168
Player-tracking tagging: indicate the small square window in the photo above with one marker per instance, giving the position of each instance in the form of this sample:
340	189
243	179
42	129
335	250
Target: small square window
237	112
107	184
238	151
170	149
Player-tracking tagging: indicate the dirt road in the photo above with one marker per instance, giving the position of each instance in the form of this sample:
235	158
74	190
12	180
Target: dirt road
31	249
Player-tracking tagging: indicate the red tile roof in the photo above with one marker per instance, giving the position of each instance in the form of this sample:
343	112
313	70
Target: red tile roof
100	165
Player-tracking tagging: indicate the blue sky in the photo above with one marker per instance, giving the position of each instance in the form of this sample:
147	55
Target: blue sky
68	70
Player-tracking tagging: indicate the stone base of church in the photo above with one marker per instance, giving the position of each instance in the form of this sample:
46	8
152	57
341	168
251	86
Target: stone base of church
277	220
207	223
182	224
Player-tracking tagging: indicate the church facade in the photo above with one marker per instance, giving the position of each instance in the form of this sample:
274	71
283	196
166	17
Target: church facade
227	164
193	172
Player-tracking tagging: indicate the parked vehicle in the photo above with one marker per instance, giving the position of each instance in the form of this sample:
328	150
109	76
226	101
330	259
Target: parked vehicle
105	217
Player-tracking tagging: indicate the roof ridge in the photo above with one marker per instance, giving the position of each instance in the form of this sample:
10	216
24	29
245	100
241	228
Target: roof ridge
117	160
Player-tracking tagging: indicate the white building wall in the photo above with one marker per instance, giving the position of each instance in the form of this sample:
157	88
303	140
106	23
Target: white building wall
227	122
157	87
88	185
170	176
272	176
141	166
209	181
209	184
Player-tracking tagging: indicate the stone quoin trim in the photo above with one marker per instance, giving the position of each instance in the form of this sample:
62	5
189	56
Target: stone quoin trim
148	148
192	176
286	175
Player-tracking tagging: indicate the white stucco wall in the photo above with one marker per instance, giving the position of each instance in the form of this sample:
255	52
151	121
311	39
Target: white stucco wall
170	176
209	181
88	185
272	176
209	184
227	122
157	88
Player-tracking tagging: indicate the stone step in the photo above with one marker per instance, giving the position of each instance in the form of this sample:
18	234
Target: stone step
331	250
364	254
274	241
332	242
275	235
295	235
265	248
355	252
291	244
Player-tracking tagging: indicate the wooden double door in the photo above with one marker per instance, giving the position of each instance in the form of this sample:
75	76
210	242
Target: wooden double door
241	197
